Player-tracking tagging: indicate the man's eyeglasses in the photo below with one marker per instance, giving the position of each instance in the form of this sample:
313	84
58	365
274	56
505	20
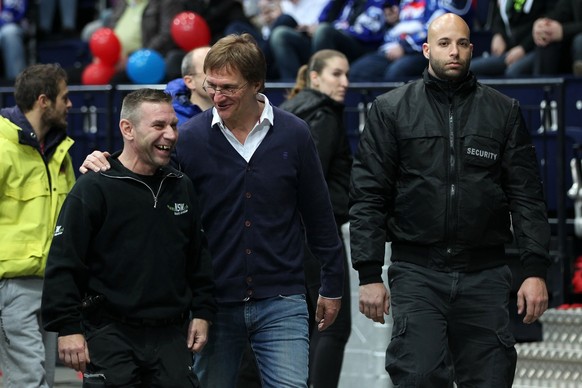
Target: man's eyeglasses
227	91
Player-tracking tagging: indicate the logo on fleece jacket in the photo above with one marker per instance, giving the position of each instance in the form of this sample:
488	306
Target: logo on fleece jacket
178	208
58	230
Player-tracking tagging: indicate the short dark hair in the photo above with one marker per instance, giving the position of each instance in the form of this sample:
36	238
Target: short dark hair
36	80
132	102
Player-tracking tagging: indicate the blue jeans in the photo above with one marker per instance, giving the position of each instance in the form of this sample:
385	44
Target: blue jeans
375	67
327	37
495	66
277	329
68	14
12	45
290	49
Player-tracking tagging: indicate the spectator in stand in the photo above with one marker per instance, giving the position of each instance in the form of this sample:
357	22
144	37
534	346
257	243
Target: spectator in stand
188	95
318	98
12	31
68	17
400	56
269	14
512	46
225	17
146	24
558	37
104	11
256	18
353	27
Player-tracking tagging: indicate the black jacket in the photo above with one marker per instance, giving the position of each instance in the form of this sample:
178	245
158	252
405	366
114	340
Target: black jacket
569	14
135	240
443	170
516	29
325	118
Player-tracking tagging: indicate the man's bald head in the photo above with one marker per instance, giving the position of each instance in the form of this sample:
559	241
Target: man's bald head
448	48
193	62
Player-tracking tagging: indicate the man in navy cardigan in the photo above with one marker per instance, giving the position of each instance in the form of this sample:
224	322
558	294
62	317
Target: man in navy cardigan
262	191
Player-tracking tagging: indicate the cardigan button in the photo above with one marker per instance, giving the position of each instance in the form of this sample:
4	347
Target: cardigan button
247	224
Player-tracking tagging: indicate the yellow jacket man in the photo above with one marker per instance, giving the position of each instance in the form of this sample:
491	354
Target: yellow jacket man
36	174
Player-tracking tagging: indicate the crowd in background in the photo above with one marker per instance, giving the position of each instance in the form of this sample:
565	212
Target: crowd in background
382	39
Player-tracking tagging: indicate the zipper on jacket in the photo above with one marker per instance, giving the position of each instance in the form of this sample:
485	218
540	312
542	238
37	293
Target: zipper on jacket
154	195
452	187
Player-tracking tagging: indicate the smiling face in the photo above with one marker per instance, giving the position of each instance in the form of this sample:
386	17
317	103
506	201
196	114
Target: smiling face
150	139
332	80
448	48
235	97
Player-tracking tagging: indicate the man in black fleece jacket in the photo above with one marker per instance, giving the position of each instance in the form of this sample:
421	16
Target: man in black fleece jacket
129	285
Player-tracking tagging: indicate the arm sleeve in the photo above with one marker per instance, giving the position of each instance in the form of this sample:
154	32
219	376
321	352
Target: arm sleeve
66	272
200	273
371	193
523	187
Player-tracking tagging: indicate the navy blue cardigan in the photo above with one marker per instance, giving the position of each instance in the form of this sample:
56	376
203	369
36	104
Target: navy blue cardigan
253	212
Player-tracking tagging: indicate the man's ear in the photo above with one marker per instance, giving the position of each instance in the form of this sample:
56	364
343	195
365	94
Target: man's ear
189	82
425	50
126	128
43	101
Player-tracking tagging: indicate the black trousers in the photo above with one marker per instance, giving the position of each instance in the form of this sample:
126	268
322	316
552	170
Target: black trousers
136	356
450	326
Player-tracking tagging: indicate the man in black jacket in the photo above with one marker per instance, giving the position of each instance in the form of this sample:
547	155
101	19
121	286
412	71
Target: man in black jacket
445	168
558	37
128	283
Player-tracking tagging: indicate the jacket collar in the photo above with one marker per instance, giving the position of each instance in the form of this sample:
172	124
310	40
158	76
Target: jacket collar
119	170
27	135
450	89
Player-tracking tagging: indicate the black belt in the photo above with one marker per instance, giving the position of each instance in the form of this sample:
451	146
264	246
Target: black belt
147	322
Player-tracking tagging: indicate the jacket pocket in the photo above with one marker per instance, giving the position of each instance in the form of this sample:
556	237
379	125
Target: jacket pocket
21	258
33	188
397	342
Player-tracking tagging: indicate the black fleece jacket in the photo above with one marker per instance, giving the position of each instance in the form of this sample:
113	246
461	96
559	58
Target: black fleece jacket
136	240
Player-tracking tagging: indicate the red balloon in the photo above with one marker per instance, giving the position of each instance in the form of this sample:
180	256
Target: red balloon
97	73
189	30
105	45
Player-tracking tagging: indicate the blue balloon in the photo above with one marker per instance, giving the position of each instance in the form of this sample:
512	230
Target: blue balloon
146	66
